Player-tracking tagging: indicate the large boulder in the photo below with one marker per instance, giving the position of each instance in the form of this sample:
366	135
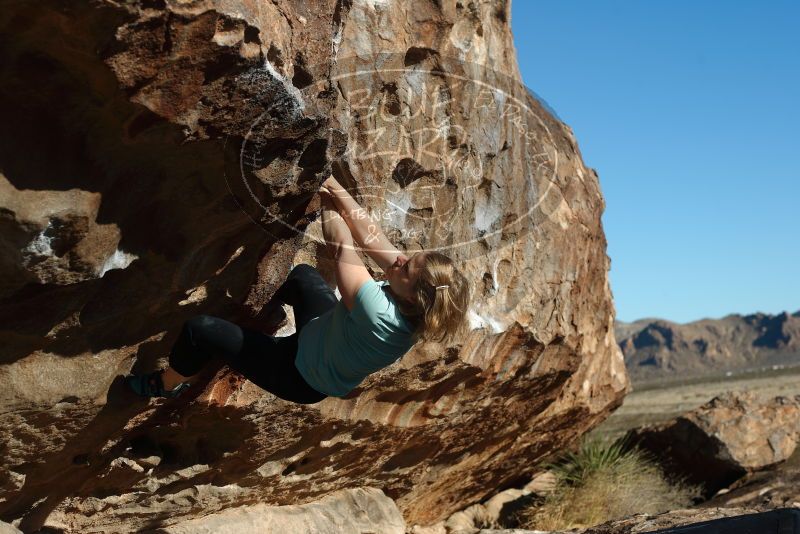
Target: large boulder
345	510
776	486
159	159
719	442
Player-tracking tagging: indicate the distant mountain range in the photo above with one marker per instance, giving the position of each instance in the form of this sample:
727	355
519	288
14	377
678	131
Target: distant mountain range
655	348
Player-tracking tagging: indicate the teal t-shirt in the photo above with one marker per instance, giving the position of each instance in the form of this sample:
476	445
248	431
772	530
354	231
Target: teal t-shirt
338	349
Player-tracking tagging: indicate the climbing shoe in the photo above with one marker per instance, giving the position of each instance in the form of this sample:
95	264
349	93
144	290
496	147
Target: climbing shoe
152	385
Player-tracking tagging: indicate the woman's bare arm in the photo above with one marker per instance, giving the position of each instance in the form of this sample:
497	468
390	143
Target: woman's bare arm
366	231
334	228
351	273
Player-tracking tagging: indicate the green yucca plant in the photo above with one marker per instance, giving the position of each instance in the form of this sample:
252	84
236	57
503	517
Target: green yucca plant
592	455
604	481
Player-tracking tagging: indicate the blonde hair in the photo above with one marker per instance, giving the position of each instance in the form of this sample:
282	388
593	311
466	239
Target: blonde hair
439	302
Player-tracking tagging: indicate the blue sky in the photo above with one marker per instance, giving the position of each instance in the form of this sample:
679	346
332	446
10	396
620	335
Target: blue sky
690	113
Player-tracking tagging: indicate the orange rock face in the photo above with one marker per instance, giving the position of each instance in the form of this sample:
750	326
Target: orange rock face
163	161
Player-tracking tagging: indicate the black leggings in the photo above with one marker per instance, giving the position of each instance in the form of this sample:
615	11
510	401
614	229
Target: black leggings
267	361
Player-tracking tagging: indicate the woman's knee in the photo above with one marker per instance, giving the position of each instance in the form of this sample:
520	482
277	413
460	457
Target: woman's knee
303	270
200	320
201	329
207	323
186	356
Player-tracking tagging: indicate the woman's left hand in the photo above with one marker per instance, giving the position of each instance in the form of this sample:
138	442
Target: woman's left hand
326	199
325	193
331	183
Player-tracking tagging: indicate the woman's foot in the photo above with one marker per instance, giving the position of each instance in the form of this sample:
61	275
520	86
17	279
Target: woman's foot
152	385
172	378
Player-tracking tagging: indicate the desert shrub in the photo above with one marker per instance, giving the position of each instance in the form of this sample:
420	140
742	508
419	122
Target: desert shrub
602	482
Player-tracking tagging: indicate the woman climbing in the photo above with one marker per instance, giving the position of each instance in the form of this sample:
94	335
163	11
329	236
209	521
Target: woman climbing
337	343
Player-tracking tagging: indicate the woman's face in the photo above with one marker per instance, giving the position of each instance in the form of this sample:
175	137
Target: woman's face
403	273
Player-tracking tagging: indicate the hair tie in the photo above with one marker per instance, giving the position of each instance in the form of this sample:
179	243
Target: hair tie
443	287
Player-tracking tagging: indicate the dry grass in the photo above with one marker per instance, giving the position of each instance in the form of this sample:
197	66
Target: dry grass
602	482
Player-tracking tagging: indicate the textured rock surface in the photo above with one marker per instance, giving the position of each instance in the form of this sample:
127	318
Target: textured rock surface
5	528
724	439
725	520
140	131
641	523
497	510
349	510
777	486
655	348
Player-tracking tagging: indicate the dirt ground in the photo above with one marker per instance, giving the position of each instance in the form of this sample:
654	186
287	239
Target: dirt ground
650	403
